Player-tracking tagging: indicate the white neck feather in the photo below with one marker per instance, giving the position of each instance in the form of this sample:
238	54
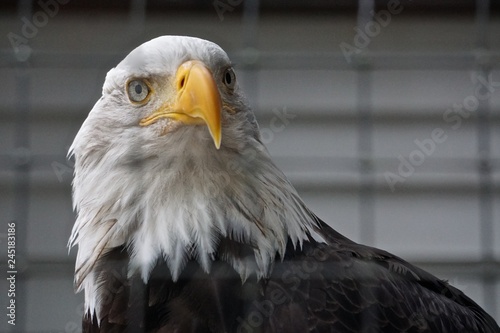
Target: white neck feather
178	209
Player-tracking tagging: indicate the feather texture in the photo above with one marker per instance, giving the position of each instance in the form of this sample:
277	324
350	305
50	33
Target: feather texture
337	287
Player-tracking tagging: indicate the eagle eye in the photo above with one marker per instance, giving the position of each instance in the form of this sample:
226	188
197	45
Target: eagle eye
137	90
229	78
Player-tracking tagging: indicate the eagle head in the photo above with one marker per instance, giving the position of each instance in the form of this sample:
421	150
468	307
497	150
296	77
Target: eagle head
170	164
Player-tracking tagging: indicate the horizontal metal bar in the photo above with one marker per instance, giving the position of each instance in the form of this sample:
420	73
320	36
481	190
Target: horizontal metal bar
475	268
253	58
43	162
264	115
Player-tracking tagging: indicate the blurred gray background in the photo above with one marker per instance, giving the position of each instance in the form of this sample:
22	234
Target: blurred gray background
384	114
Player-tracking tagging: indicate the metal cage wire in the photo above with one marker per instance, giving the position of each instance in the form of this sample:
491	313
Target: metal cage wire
25	162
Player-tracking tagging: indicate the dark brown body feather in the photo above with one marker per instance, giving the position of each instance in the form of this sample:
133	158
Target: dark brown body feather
338	287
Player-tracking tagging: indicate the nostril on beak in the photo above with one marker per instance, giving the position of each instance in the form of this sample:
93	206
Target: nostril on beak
182	81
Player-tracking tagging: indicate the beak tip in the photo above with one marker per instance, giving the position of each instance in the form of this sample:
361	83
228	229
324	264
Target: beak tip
217	143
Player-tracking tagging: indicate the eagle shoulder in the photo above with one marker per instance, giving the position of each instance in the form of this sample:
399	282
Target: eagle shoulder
342	286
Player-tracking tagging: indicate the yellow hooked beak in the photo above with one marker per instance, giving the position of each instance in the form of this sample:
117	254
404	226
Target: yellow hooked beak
197	100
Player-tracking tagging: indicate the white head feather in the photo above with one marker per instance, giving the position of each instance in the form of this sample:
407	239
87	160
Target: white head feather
165	191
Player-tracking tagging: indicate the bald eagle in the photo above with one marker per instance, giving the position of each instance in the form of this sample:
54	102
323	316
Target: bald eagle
184	223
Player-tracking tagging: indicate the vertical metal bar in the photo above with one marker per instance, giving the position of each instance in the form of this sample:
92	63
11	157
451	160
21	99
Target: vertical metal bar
22	168
483	131
482	22
250	22
250	54
138	14
365	132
